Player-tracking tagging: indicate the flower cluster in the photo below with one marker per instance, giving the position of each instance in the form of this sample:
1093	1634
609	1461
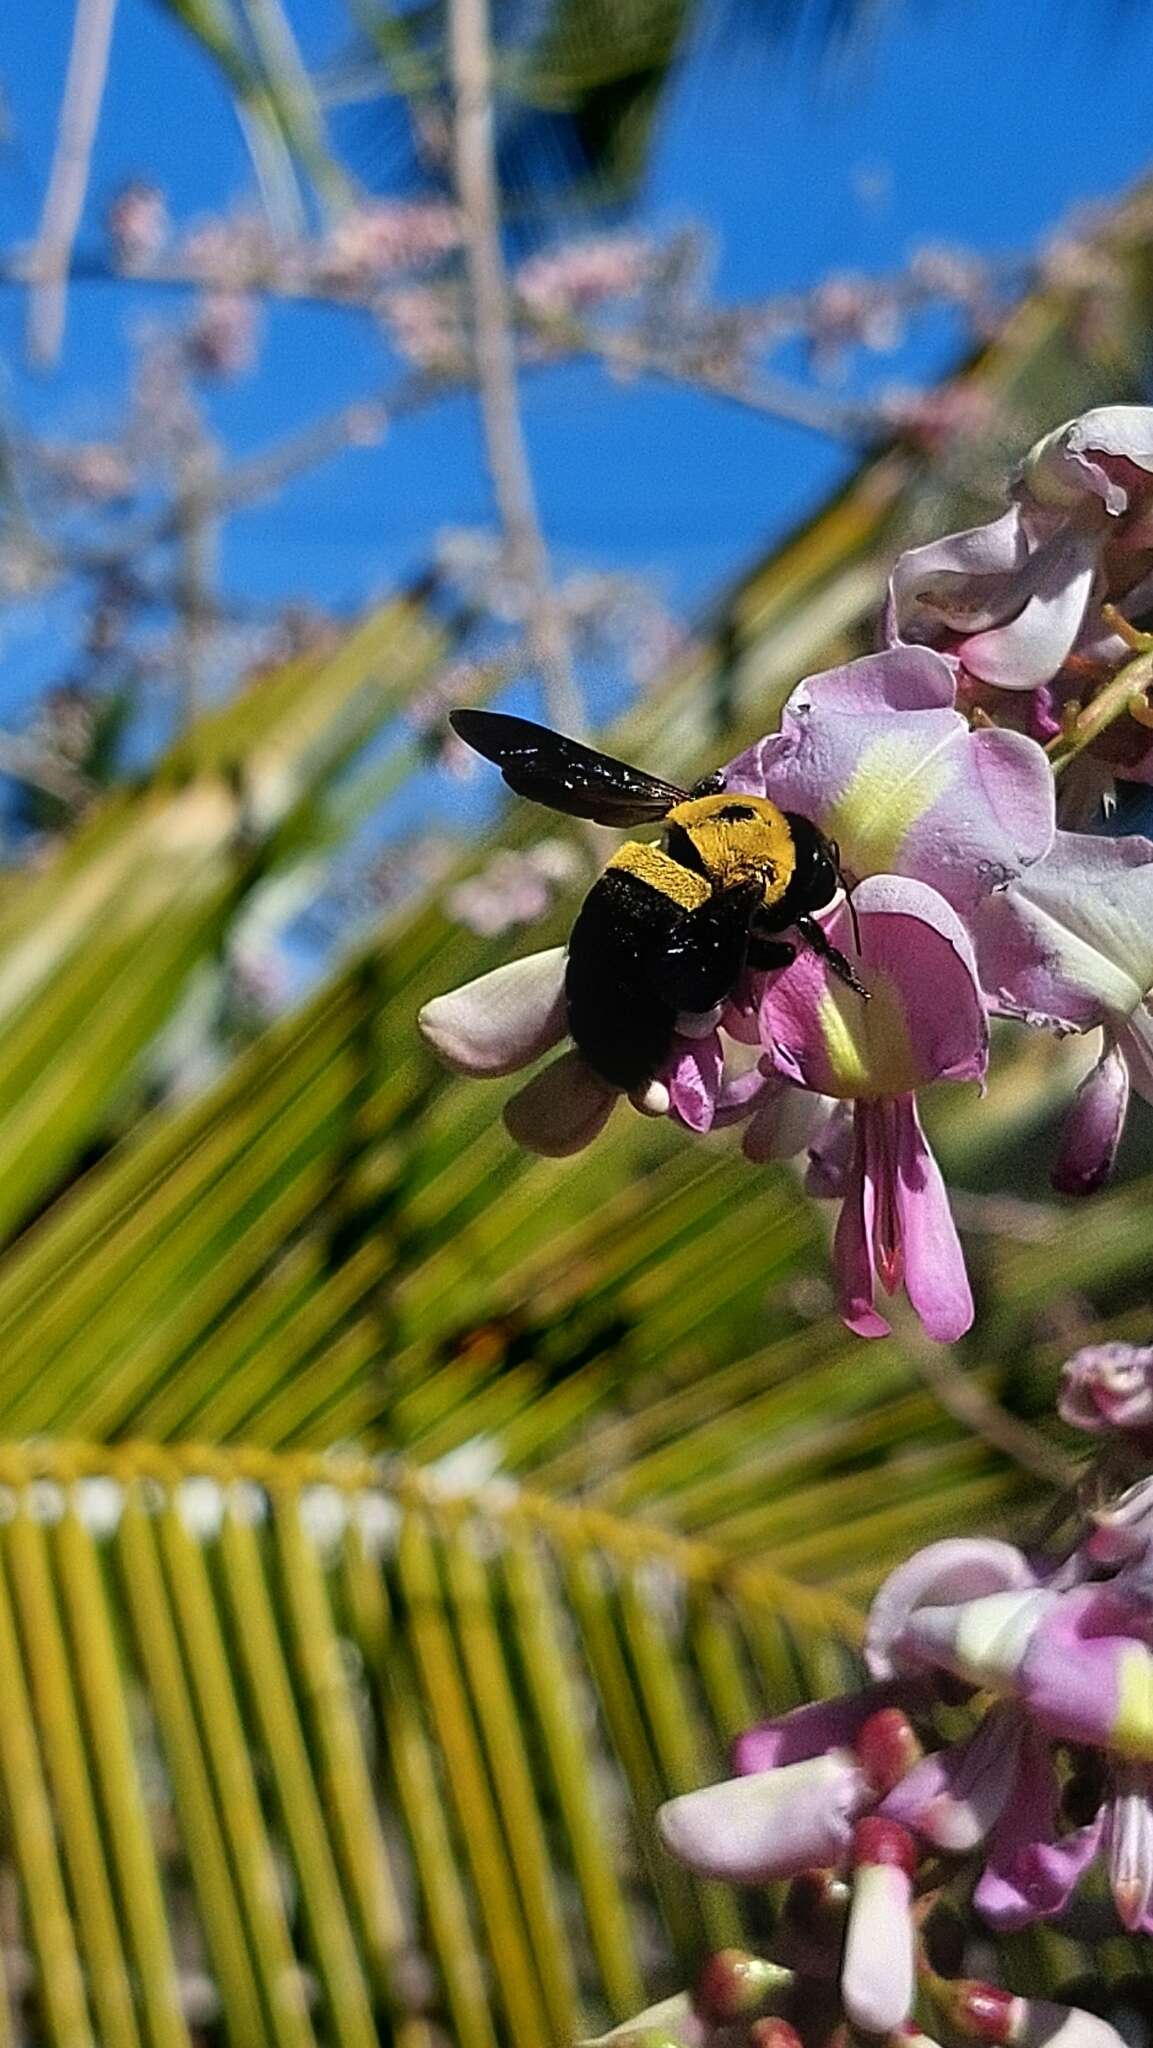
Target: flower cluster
878	1818
964	901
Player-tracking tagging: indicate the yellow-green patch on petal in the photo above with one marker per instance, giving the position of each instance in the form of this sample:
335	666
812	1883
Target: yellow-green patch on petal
867	1045
1132	1732
893	786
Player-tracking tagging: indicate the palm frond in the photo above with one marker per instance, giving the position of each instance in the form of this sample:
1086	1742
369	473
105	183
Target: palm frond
302	1736
97	946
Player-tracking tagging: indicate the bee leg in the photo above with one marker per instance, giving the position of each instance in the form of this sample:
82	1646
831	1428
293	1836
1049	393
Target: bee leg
765	954
709	785
812	931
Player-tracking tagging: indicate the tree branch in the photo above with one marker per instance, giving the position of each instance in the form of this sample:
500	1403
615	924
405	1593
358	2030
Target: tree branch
470	62
68	179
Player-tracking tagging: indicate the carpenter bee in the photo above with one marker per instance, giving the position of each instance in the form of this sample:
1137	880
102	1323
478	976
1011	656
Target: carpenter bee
669	928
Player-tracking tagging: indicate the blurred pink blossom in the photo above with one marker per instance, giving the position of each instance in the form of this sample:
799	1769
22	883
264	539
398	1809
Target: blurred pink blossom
222	337
137	223
580	275
378	240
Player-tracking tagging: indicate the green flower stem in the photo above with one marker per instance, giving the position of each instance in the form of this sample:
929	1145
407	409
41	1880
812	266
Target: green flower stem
1126	693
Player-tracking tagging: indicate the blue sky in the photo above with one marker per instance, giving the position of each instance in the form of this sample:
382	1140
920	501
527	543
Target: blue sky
965	121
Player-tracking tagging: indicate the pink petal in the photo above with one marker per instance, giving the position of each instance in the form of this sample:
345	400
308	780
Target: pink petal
1072	941
935	1278
926	1020
1031	1871
1029	649
1108	1386
1087	1676
831	1150
877	756
561	1110
959	1568
984	1641
953	1797
1063	466
963	582
693	1076
1094	1125
898	680
502	1021
772	1824
740	1097
786	1121
811	1730
853	1243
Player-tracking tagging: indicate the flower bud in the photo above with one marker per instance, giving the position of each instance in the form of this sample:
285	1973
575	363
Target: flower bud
734	1985
1093	1127
887	1746
773	2033
1108	1386
984	2012
877	1976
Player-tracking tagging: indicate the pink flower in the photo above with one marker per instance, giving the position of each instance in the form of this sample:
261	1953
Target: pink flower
221	339
925	1022
1010	601
1071	1665
580	275
1069	947
137	223
1108	1387
879	758
387	236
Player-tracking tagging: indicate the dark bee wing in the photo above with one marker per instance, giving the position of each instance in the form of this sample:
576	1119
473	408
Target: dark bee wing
553	770
700	964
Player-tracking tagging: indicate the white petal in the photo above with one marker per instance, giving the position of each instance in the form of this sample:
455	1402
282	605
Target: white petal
769	1824
943	1574
878	1972
673	2020
561	1110
1044	2025
502	1021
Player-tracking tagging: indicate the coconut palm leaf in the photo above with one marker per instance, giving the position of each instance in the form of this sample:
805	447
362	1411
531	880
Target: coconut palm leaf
97	946
298	1741
303	1744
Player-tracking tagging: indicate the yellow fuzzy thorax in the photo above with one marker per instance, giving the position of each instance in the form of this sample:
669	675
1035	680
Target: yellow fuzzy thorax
732	850
658	869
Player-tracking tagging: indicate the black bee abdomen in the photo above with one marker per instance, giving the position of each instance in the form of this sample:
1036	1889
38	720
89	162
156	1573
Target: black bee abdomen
620	1025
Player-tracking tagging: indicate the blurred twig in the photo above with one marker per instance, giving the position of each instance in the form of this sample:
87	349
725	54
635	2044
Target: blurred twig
470	60
68	179
963	1397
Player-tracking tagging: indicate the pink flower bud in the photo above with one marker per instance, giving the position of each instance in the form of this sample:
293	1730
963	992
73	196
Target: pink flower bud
733	1985
1108	1386
887	1747
1093	1126
773	2033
